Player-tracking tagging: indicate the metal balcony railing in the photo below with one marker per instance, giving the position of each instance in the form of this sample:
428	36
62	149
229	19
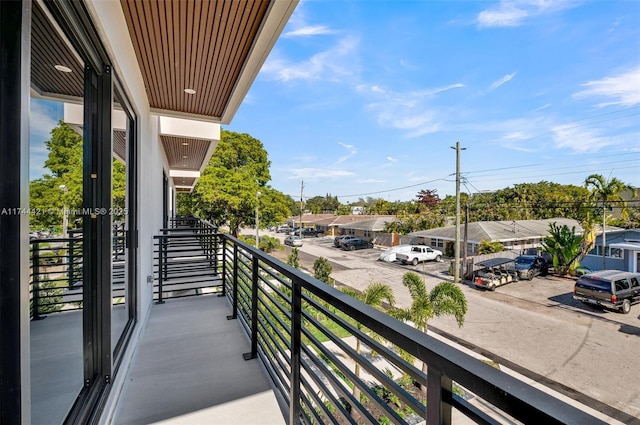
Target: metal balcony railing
56	272
55	275
334	359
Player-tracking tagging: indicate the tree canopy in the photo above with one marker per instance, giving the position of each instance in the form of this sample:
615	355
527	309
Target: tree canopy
234	183
62	186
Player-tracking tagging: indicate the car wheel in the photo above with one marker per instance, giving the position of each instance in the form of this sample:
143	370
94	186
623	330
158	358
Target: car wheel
370	245
626	307
437	259
352	248
414	261
530	275
492	287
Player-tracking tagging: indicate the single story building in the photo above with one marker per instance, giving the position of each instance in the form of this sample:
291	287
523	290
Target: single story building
621	252
517	235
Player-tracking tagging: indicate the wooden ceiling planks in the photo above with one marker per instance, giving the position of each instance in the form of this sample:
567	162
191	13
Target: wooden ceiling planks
188	44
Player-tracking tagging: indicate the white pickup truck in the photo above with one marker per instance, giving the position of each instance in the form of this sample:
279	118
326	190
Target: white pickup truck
419	253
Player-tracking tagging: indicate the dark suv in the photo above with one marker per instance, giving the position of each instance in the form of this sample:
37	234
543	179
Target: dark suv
609	288
529	266
307	232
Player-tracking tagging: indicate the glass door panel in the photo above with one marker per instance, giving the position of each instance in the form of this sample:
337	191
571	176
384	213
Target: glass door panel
56	194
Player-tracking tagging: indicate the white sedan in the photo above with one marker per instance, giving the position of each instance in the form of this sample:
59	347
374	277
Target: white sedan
293	240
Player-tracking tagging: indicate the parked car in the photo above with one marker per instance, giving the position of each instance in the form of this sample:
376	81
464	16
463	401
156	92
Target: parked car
357	243
530	266
283	229
292	240
338	240
389	255
614	289
495	272
418	254
306	232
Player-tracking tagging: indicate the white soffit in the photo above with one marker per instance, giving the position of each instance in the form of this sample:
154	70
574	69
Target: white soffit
192	129
184	173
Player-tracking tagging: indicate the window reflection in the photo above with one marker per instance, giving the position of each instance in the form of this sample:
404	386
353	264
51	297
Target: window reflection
56	190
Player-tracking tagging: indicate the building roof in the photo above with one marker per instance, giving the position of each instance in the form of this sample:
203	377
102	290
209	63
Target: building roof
375	224
502	231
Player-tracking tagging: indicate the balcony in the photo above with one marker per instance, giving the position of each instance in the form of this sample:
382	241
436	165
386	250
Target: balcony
236	336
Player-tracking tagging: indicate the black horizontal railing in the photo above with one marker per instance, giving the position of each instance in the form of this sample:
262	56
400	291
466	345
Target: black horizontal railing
56	272
334	359
55	275
186	258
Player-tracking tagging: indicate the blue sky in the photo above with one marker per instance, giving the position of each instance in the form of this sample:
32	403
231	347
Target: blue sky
366	98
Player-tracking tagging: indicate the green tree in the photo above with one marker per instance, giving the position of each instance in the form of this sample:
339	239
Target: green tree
322	270
446	298
294	258
488	247
274	207
374	295
269	244
65	165
606	192
65	150
564	246
237	171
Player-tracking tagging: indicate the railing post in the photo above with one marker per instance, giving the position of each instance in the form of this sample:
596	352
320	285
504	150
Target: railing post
70	261
224	263
215	250
234	291
438	410
254	311
296	341
160	268
35	258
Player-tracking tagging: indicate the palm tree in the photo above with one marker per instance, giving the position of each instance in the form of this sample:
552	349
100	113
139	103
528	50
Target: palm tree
446	298
374	295
607	191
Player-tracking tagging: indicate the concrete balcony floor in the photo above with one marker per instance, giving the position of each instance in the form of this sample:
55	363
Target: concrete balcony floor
188	368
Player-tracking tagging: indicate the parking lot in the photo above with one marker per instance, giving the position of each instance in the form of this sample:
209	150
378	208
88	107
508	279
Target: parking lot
532	326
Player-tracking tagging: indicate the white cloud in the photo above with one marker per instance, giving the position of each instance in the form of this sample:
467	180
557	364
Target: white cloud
513	13
622	89
350	148
579	139
308	31
501	81
318	173
542	107
408	111
371	181
332	64
41	121
392	159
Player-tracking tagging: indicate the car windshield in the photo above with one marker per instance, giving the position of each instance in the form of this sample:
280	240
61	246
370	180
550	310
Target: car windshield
524	260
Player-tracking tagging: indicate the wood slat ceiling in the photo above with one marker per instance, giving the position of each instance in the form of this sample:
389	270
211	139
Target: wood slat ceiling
187	44
49	49
185	154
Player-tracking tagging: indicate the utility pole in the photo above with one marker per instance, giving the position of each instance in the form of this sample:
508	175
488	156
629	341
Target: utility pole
466	237
604	235
456	268
301	197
